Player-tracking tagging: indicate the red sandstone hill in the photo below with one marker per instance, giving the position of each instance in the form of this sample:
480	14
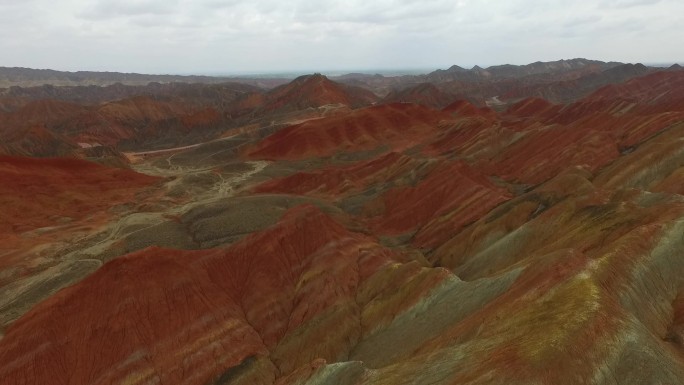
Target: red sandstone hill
563	81
140	119
396	125
36	140
538	244
659	89
45	201
309	91
464	108
331	182
199	313
214	95
167	118
532	107
314	91
42	111
566	90
36	191
528	144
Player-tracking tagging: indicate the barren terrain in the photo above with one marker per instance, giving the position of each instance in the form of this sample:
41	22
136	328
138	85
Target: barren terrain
316	234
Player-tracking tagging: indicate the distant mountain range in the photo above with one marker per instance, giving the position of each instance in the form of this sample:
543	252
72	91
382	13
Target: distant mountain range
169	110
28	77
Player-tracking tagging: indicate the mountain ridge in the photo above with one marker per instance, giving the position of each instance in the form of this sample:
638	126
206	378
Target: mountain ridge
501	239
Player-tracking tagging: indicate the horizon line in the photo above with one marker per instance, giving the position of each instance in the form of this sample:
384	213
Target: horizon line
398	71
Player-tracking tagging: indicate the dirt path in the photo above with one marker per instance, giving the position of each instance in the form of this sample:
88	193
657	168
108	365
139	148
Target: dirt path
228	186
140	156
83	255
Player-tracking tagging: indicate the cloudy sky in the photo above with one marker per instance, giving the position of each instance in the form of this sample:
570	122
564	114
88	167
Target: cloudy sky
259	36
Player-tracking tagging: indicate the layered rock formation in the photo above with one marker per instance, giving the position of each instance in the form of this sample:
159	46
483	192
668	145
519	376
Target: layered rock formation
387	244
47	206
395	124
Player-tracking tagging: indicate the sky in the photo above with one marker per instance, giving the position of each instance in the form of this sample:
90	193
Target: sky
271	36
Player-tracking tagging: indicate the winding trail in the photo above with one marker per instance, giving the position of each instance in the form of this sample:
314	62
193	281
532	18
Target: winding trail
227	187
80	256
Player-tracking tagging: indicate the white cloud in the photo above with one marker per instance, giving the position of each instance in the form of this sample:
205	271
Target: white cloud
269	35
104	9
626	3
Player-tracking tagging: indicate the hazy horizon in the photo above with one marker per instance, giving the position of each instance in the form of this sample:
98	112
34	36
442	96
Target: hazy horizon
387	71
329	73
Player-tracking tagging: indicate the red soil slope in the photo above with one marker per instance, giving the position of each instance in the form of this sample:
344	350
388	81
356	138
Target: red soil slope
426	94
315	91
535	140
396	125
189	316
465	108
36	140
452	195
305	92
37	193
332	182
664	89
46	110
139	118
532	107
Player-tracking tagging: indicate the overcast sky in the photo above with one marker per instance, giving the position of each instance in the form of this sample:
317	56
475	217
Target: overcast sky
257	36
